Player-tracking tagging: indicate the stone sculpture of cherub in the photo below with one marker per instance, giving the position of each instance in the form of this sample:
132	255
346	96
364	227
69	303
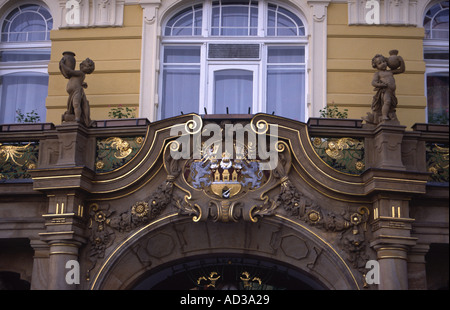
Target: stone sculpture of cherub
384	102
78	109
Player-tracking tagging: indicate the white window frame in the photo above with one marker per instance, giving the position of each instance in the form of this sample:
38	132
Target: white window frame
261	39
246	66
433	66
155	14
37	66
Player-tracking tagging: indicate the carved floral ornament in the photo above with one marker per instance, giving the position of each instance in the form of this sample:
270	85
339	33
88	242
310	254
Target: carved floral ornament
229	185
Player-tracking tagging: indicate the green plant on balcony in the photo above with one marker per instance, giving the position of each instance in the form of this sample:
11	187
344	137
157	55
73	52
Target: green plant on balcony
29	117
122	112
333	112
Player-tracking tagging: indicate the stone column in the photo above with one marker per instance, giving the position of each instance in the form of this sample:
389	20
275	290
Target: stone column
392	240
417	275
39	276
66	183
63	272
65	222
393	266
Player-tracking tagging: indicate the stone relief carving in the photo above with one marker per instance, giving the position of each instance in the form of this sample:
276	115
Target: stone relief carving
351	225
191	194
224	180
104	222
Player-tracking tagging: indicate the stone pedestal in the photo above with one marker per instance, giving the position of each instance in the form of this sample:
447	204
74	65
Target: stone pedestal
388	146
74	146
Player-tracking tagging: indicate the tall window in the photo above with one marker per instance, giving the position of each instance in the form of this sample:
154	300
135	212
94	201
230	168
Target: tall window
233	57
436	51
24	58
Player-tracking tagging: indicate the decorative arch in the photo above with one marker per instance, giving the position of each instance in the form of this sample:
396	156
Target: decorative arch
171	239
158	209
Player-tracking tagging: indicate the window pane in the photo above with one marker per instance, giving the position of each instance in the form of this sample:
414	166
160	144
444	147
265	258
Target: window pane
286	54
182	54
281	22
436	21
180	90
440	26
186	23
286	91
27	23
24	91
437	99
233	89
24	55
234	18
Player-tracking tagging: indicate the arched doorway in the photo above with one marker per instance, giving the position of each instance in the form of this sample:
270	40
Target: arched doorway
175	253
227	272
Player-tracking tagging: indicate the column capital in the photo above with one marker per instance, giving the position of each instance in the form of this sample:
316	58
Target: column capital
319	9
417	253
66	218
383	242
150	10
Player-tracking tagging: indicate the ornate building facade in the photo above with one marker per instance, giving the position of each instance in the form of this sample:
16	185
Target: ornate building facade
201	160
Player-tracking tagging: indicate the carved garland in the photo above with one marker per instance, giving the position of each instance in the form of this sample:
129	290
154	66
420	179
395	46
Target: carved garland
351	225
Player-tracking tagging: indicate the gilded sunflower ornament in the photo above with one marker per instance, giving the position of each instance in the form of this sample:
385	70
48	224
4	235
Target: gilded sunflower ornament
140	209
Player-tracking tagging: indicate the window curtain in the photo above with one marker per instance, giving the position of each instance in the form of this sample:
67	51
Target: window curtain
233	89
180	90
181	80
286	92
438	99
24	91
286	81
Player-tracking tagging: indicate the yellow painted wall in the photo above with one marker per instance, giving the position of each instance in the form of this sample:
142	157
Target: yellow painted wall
117	55
349	70
116	52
